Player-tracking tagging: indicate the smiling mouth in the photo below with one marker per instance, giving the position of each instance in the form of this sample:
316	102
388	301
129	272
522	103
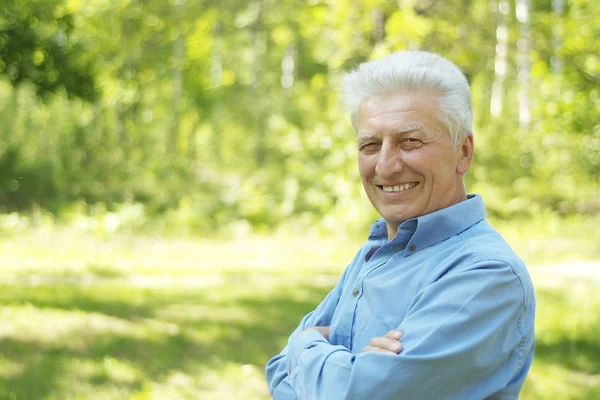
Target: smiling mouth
399	188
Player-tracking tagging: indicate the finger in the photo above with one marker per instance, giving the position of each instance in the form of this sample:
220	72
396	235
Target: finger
386	344
394	334
374	349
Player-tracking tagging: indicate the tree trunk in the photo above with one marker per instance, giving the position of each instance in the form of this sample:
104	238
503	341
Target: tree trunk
288	63
258	41
523	8
379	22
558	8
216	73
176	81
500	64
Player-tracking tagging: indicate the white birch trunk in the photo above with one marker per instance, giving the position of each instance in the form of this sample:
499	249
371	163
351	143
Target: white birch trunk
523	8
288	64
500	64
177	83
258	41
379	29
216	74
558	8
177	80
216	65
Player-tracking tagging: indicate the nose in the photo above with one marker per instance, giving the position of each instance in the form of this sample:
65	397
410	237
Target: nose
389	161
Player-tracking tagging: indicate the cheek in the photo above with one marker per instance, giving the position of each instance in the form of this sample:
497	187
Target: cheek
430	164
418	162
365	166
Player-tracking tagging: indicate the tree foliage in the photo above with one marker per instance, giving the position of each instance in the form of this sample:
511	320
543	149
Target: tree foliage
37	46
228	111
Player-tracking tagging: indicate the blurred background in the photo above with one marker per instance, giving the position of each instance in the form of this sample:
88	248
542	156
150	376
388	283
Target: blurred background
178	183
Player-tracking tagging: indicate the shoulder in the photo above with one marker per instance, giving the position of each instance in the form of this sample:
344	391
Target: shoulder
482	242
482	247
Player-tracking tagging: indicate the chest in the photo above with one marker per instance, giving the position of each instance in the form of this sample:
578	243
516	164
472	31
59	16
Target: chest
377	299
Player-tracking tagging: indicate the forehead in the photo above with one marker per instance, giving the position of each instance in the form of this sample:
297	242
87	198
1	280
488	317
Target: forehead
398	111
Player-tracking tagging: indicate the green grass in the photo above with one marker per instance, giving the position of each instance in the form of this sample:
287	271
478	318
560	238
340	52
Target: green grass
142	318
98	341
567	365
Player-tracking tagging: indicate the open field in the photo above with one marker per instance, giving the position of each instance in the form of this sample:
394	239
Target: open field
139	318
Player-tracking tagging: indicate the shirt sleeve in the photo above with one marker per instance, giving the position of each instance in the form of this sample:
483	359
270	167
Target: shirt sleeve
463	338
276	368
284	391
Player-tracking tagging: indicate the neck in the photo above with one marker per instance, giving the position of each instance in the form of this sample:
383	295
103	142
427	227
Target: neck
392	230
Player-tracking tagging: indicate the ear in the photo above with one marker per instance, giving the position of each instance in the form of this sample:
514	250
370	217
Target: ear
465	156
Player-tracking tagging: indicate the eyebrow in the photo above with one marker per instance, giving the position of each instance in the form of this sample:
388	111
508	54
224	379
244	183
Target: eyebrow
410	128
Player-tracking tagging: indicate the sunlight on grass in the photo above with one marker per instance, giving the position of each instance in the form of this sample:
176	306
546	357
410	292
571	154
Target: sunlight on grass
234	381
107	377
223	382
566	362
139	318
10	368
554	381
570	310
114	341
56	256
550	239
68	329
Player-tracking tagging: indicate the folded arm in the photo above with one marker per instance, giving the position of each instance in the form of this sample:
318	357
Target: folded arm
276	369
462	339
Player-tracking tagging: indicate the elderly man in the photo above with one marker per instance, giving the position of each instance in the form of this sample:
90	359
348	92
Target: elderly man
435	305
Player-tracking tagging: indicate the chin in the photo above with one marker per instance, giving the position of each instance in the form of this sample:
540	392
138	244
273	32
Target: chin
398	213
397	218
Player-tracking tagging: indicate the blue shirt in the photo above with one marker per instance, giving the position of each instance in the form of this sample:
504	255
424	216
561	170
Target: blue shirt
448	280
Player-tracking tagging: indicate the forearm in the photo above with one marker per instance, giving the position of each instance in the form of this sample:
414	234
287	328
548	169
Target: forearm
455	346
276	368
284	391
276	371
321	371
316	368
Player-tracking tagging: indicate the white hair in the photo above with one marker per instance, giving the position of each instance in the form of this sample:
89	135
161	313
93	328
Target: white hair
414	71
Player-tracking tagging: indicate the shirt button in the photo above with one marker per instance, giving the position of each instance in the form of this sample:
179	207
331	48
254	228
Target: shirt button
412	247
356	292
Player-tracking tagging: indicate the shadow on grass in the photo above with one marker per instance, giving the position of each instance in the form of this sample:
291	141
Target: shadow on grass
576	354
120	301
43	367
260	322
236	323
572	344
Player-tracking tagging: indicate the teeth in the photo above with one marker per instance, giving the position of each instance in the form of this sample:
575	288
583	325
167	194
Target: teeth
400	188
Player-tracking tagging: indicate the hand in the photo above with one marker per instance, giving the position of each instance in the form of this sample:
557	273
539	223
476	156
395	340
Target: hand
387	344
323	330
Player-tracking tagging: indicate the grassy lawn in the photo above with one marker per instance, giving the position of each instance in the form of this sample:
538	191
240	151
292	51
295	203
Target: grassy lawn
135	318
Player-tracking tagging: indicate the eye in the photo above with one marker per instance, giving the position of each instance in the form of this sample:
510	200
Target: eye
411	143
368	147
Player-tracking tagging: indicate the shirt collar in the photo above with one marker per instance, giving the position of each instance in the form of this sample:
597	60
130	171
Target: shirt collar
427	230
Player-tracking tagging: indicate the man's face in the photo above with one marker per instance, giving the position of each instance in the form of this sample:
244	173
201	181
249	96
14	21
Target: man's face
406	159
